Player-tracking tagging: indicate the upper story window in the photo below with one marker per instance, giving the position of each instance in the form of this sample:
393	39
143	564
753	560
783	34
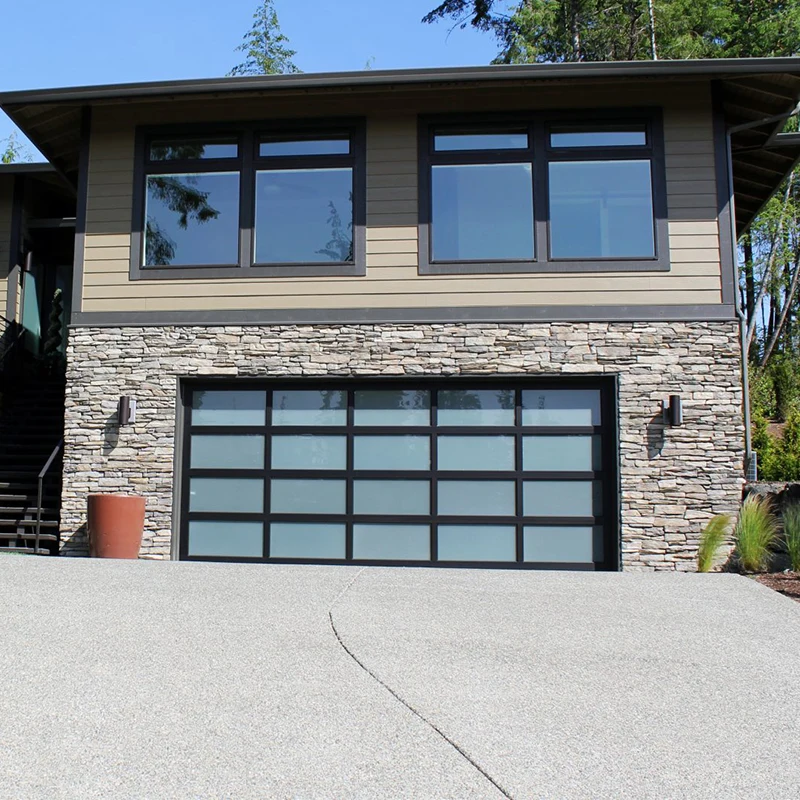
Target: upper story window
250	200
565	192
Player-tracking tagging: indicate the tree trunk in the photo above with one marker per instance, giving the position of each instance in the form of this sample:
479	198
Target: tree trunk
769	270
651	8
749	280
781	323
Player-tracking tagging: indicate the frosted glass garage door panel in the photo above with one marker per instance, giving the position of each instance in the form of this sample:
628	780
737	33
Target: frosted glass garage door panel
302	496
482	407
476	498
400	453
562	544
399	407
560	453
479	453
392	497
391	542
309	452
227	495
227	452
560	407
226	407
306	540
226	539
477	543
561	498
309	407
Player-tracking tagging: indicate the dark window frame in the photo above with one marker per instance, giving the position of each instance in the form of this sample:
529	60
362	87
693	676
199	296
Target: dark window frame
248	163
608	472
541	154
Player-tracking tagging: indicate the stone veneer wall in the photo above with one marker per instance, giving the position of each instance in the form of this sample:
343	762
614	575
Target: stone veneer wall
672	479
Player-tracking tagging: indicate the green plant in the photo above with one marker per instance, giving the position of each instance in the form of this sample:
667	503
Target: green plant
755	534
791	531
711	540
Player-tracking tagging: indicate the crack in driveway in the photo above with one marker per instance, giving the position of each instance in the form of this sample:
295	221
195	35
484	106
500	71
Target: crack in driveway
394	693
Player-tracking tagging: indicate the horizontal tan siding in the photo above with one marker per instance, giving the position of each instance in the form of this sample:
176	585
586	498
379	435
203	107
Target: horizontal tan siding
392	278
6	194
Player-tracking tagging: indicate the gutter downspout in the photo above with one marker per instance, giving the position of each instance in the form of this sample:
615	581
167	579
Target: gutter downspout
751	465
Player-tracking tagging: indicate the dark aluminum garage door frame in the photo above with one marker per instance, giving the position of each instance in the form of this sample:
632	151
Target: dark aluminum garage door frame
608	473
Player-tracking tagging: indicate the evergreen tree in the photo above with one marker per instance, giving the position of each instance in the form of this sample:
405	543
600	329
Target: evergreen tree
622	30
265	47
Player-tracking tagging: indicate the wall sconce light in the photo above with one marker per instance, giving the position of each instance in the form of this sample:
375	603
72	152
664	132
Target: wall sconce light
126	411
672	410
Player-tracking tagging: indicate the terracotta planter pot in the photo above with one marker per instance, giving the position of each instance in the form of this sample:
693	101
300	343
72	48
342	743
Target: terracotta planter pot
116	523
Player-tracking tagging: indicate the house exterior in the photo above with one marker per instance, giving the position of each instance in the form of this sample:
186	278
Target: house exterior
412	317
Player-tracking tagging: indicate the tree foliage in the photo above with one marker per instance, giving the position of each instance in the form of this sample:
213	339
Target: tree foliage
12	150
266	49
533	31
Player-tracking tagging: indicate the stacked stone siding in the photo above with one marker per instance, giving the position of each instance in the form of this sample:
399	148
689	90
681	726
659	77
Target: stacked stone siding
671	479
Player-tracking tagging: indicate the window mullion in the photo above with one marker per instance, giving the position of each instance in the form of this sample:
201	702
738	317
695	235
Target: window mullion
247	200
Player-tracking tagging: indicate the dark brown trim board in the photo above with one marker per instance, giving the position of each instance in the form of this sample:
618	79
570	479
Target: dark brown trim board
728	67
366	316
727	247
540	154
82	204
246	163
15	249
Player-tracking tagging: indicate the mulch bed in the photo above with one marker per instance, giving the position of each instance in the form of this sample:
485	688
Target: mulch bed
787	583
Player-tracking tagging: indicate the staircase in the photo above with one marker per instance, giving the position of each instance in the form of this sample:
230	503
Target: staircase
31	428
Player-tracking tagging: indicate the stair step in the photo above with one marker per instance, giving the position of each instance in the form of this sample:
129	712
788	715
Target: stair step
5	521
43	537
24	551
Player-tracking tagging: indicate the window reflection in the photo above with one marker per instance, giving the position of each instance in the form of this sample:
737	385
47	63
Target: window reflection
482	211
192	219
304	216
601	209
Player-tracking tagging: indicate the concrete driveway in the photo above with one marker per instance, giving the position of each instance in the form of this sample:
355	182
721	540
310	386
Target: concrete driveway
165	680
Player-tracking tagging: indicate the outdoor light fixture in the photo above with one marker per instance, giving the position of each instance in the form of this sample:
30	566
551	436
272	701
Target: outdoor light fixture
126	411
672	410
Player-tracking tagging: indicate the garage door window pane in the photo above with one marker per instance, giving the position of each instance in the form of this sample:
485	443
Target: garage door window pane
306	540
392	542
309	407
227	452
226	539
561	407
476	498
308	496
476	453
229	495
392	452
309	452
476	407
561	453
229	407
393	407
391	497
561	543
561	498
477	543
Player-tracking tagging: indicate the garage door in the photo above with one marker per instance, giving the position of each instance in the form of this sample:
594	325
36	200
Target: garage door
454	473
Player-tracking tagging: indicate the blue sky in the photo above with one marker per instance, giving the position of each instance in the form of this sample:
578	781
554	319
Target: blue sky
50	43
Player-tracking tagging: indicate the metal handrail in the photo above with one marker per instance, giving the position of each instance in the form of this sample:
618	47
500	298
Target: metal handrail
42	473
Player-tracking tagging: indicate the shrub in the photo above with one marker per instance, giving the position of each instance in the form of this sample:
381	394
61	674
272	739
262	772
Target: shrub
778	459
755	534
711	539
791	530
